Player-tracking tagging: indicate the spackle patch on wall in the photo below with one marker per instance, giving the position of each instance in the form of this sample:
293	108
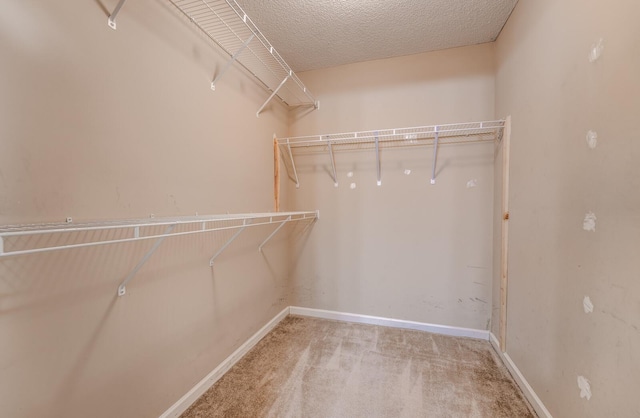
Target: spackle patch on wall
596	50
352	185
407	172
589	223
587	304
592	139
585	387
472	183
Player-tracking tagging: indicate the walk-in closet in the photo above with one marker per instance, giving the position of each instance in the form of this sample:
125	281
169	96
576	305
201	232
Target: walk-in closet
296	208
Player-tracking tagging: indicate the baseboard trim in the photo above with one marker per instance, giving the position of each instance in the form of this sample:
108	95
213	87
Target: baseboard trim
201	387
389	322
527	390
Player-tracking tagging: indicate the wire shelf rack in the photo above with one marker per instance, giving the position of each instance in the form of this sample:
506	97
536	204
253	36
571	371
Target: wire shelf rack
17	240
434	135
227	25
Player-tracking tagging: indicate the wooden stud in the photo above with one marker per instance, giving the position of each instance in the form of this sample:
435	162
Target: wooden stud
504	256
276	174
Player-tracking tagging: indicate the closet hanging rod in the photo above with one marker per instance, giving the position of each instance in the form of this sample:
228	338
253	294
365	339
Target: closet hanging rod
11	245
489	130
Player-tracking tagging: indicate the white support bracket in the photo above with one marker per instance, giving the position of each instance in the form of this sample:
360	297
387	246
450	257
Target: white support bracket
273	233
435	157
229	241
274	93
293	165
122	289
112	17
333	164
233	59
378	158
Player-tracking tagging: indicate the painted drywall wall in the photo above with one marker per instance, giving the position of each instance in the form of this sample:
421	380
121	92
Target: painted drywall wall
564	69
407	249
99	124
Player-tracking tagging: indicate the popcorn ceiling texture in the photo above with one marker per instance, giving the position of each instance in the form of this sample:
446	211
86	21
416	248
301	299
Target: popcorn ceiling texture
316	34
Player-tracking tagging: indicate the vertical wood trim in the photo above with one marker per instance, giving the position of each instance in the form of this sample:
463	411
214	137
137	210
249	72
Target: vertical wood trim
504	256
276	174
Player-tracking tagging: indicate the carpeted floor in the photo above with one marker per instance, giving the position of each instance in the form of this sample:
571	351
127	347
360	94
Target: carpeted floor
315	368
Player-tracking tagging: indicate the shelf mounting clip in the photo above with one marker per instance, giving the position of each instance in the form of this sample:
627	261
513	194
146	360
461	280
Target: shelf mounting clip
112	17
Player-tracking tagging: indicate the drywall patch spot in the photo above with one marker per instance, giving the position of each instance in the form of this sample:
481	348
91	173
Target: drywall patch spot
585	387
589	223
596	50
350	174
472	183
407	172
587	304
592	139
352	185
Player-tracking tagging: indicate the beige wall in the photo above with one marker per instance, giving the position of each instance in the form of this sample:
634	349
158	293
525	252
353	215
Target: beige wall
406	249
555	96
101	124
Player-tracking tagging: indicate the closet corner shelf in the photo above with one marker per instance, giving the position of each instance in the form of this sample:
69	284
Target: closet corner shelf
229	27
16	240
434	135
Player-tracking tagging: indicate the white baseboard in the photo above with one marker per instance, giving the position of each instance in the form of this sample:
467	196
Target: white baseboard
388	322
527	390
199	389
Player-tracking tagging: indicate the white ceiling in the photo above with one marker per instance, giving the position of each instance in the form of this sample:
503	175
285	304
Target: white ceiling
312	34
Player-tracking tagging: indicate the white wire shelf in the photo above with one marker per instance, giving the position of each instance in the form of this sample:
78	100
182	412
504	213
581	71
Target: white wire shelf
17	240
229	27
226	24
435	135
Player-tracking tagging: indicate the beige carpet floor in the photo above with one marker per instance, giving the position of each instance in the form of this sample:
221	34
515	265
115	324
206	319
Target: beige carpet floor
312	368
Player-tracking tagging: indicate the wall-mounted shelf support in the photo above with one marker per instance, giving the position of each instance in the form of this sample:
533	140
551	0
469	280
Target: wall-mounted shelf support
293	166
122	289
228	26
18	240
435	157
229	241
112	18
333	164
273	233
273	94
233	59
378	159
421	136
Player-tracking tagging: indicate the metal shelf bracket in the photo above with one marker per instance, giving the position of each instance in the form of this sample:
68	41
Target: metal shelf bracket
233	59
122	289
378	158
333	165
229	241
274	93
273	233
435	157
293	165
112	18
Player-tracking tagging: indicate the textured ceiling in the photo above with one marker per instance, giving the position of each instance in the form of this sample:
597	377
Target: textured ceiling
312	34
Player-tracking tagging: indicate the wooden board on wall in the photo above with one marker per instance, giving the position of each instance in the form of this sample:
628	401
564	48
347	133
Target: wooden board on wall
504	256
276	174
